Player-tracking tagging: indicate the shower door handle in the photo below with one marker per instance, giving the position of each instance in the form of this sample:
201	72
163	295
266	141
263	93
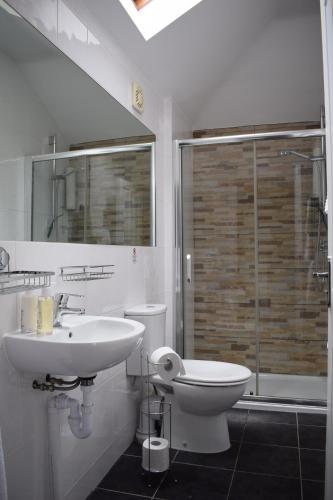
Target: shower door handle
321	275
326	275
188	268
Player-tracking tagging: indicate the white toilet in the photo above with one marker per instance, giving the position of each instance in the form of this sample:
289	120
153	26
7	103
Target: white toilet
199	398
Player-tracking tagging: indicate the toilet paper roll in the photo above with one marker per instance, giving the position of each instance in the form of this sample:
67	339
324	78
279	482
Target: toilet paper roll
167	363
159	454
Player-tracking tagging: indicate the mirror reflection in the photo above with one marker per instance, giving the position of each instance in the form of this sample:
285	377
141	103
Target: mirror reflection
99	189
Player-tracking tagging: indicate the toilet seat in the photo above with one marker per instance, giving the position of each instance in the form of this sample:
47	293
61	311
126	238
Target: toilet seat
211	373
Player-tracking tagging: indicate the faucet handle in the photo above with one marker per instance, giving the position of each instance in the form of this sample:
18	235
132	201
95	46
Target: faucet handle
61	308
65	294
61	298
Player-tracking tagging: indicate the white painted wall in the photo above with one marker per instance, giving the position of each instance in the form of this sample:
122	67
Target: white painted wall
277	79
173	124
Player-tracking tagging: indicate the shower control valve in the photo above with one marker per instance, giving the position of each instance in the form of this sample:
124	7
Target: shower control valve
321	275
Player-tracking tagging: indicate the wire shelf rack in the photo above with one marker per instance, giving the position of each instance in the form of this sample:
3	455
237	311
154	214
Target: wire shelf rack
20	281
86	273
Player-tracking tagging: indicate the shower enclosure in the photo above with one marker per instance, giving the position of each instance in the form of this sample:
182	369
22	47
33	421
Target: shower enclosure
252	275
99	195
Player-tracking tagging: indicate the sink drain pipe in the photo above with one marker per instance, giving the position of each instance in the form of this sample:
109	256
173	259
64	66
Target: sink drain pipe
80	423
80	415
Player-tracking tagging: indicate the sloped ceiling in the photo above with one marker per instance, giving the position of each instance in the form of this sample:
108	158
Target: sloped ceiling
190	59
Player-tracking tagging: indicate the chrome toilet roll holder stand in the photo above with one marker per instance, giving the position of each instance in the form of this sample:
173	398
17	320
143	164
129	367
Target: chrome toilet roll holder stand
163	412
168	364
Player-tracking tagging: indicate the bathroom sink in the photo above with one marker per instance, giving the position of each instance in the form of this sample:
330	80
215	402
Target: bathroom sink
81	347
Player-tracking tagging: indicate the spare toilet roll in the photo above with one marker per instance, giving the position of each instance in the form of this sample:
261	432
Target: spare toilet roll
167	363
159	454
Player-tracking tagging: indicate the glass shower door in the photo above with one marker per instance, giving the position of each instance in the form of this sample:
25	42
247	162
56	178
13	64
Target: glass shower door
254	233
292	246
219	298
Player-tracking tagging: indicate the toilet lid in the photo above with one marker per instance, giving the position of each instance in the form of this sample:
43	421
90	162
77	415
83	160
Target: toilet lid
146	310
200	372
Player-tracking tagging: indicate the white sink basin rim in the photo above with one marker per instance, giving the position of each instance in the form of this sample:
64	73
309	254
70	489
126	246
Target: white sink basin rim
83	346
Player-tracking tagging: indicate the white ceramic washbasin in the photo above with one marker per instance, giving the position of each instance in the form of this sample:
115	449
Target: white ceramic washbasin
83	346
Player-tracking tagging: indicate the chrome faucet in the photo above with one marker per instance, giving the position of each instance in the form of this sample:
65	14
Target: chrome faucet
61	308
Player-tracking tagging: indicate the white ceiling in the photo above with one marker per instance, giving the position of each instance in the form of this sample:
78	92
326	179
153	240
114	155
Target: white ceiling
190	59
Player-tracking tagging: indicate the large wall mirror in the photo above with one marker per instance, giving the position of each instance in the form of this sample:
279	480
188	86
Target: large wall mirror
75	165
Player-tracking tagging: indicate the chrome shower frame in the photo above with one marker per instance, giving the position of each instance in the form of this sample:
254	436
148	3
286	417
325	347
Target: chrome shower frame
248	401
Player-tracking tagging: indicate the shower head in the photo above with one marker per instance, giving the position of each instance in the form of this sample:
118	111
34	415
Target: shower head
291	152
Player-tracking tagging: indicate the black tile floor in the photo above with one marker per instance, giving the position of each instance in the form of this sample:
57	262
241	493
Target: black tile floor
274	456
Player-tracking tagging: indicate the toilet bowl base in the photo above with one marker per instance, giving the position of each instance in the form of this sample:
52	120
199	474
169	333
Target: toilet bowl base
197	433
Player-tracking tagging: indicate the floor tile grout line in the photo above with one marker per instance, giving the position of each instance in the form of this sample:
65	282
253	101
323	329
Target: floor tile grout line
299	458
220	467
124	493
311	449
139	456
314	480
271	444
176	455
205	466
160	483
260	422
238	453
173	460
313	425
281	476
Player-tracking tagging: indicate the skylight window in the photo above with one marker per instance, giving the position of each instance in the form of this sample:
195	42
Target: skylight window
140	3
152	16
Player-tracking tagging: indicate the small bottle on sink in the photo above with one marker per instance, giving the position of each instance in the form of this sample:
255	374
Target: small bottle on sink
29	308
45	313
